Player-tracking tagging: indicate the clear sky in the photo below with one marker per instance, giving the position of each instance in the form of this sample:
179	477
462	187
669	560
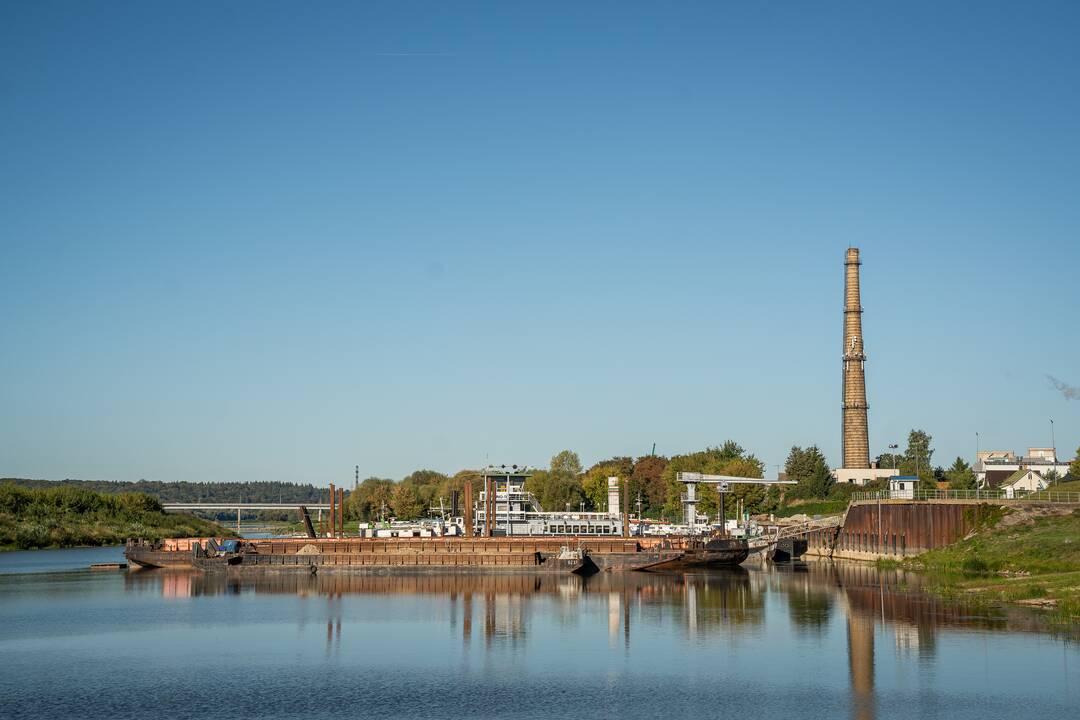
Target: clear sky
271	241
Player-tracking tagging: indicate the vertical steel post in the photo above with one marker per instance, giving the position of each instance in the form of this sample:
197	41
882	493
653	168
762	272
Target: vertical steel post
723	516
333	515
341	511
468	519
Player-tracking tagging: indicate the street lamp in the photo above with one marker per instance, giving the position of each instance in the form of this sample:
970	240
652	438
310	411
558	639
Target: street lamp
1053	441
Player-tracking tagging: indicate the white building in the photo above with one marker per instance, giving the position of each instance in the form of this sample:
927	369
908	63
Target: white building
994	467
862	476
1024	482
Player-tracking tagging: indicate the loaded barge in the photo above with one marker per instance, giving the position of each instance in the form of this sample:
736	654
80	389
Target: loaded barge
556	554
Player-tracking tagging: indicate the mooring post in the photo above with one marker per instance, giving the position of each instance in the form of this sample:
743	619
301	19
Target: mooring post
468	519
333	516
341	510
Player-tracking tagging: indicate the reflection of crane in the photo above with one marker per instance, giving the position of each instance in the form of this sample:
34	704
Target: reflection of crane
723	485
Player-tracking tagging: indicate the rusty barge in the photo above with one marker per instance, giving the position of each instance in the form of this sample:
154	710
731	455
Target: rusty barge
580	555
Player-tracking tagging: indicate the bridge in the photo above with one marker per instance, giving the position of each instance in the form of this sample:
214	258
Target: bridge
179	507
239	507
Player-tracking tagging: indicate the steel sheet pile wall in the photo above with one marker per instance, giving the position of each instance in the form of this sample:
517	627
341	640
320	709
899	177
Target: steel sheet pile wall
896	529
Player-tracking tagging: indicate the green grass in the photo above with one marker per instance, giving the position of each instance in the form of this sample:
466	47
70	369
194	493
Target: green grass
1065	487
1034	561
64	516
813	507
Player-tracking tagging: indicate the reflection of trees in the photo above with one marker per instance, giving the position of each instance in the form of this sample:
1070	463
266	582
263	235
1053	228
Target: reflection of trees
499	604
810	609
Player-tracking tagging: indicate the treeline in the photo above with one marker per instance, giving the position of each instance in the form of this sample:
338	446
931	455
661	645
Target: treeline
168	492
565	484
67	516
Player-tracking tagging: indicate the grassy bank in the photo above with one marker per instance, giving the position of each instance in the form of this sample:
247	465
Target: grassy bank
812	508
70	517
1023	558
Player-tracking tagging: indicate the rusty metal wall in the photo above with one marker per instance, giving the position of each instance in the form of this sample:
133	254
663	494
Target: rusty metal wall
896	528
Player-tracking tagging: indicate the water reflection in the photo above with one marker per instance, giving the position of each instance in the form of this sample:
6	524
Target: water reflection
498	609
817	639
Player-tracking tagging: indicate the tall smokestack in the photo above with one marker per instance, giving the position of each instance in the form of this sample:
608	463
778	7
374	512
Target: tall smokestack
855	442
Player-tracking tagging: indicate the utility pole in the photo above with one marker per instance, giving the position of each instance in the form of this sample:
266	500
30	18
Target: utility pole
1053	441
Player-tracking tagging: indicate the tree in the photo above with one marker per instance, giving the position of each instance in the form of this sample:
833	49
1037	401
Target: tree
426	483
406	503
890	460
367	500
560	486
810	469
595	485
595	482
648	478
458	482
1074	466
1051	477
916	459
566	464
960	476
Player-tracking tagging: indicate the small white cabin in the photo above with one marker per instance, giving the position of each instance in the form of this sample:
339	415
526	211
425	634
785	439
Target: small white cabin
902	487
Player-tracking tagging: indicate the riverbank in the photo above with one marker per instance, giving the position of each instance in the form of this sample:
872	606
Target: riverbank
66	517
1029	557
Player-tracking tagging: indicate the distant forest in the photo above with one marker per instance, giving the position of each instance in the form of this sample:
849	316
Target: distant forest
166	492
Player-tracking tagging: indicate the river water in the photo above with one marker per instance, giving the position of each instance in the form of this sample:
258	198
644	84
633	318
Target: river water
814	640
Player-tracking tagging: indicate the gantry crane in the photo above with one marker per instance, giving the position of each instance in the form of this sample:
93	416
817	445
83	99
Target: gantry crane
723	485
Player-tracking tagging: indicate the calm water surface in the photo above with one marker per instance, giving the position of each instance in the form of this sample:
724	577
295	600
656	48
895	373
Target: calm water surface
814	640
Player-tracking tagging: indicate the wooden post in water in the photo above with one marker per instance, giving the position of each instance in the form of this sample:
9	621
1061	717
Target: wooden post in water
333	516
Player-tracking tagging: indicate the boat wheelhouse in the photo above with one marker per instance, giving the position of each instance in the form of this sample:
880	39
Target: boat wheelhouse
516	511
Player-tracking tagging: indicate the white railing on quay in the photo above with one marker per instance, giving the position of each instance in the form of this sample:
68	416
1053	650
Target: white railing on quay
1048	496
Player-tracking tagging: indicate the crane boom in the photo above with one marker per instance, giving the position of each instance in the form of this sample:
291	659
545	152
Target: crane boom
723	484
696	477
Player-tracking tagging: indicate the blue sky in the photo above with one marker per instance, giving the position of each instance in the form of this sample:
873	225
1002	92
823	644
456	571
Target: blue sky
271	241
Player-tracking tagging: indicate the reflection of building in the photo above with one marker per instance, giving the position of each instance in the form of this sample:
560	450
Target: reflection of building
860	637
993	467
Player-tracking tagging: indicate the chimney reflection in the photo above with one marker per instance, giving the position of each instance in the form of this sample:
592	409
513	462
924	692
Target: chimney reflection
860	641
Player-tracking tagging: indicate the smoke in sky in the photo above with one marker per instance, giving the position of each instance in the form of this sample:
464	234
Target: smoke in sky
1070	392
